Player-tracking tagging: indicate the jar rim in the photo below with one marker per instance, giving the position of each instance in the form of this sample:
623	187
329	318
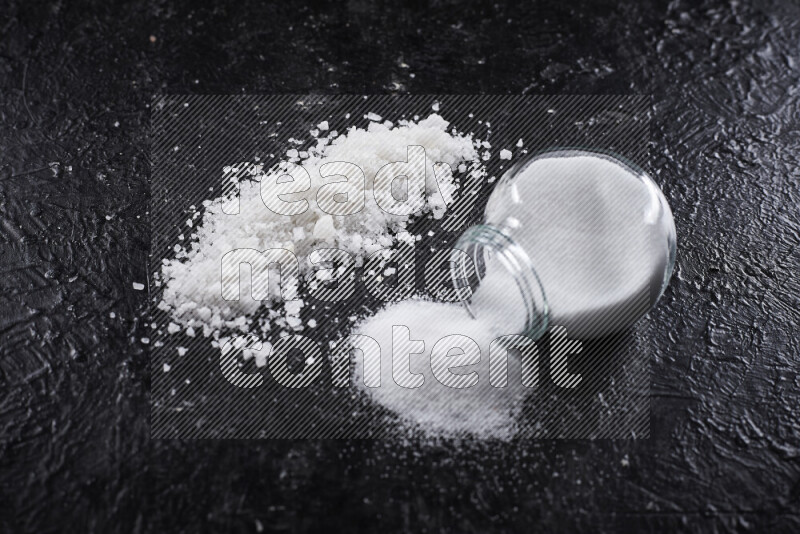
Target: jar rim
482	239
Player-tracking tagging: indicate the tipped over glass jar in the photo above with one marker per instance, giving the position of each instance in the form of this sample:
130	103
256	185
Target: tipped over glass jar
574	238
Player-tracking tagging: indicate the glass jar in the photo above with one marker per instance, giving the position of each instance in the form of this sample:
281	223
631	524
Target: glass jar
573	238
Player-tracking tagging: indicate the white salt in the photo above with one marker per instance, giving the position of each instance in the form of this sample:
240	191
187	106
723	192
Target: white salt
192	278
583	220
579	222
480	410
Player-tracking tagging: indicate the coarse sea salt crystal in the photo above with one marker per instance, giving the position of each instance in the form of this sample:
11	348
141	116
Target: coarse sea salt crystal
293	307
324	228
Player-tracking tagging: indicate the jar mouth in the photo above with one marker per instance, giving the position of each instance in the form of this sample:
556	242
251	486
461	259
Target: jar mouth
483	242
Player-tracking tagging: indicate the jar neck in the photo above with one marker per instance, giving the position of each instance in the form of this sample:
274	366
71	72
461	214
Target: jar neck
487	247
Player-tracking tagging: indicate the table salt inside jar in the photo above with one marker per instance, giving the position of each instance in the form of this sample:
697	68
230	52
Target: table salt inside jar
572	238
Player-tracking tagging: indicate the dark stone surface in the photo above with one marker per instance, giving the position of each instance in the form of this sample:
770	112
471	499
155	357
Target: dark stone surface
74	450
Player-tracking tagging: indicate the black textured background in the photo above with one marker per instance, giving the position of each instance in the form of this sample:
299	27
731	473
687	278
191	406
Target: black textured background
75	456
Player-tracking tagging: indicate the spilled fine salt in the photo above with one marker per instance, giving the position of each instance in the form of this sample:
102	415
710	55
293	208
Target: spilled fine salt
481	410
